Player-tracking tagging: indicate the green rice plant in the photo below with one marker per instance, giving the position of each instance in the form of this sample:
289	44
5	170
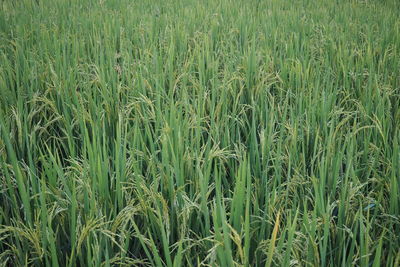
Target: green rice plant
199	133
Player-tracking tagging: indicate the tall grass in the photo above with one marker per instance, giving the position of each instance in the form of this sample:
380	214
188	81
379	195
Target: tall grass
200	133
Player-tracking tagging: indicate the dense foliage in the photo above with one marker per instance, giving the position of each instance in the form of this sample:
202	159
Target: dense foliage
200	133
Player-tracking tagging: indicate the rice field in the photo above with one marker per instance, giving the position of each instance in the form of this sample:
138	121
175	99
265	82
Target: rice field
200	133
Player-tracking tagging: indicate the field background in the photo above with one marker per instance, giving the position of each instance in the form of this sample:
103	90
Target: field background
199	133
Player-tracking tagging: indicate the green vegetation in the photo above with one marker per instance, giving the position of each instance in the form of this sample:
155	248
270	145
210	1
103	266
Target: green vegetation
200	133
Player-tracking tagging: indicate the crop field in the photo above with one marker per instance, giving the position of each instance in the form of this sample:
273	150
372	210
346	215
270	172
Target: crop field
200	133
